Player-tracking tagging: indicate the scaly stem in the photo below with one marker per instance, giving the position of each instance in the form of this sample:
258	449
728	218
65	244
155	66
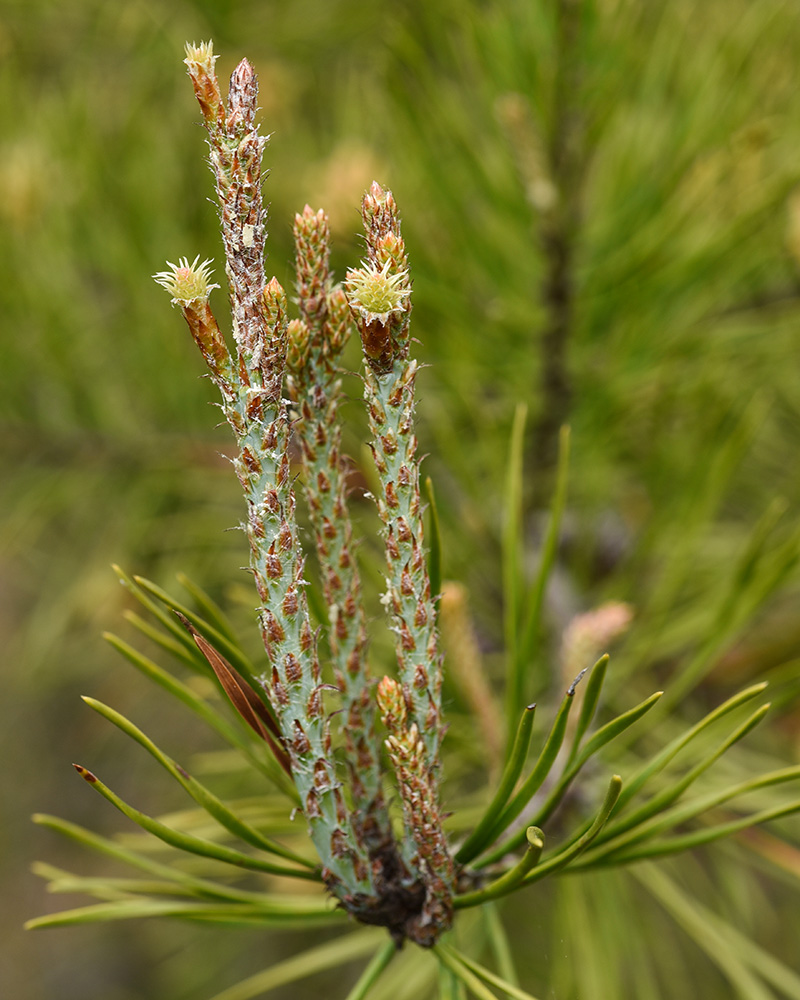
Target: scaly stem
315	342
252	387
380	297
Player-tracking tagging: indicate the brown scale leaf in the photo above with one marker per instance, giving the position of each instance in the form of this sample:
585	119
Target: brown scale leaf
243	698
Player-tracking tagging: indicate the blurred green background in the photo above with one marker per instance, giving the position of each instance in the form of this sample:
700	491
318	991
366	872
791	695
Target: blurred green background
676	128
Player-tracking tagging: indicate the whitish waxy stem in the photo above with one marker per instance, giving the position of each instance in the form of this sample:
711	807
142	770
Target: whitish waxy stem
252	399
379	294
235	151
315	342
389	393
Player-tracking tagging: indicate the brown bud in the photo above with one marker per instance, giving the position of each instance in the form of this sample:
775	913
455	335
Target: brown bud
243	94
322	780
300	742
407	639
339	846
392	549
389	443
285	537
290	603
376	412
292	669
270	439
432	718
341	808
271	501
314	704
255	408
320	434
306	636
254	524
396	396
279	691
312	810
251	462
376	339
272	566
272	626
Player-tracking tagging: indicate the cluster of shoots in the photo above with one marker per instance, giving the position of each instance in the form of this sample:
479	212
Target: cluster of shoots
357	752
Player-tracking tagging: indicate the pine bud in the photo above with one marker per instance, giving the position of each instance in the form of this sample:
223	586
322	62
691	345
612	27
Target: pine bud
186	282
391	704
189	287
200	61
297	336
